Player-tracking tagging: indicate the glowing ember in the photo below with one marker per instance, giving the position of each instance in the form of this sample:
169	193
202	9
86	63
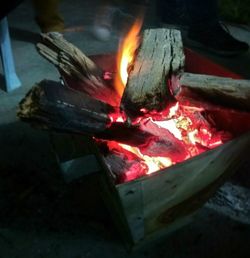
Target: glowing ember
171	136
181	133
153	163
126	55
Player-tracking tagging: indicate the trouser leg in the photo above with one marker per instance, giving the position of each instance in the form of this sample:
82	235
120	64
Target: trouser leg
173	11
48	16
203	14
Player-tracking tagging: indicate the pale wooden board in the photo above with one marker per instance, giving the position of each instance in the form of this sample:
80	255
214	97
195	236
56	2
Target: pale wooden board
163	191
133	209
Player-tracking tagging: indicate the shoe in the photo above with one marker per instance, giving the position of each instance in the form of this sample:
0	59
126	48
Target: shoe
111	19
54	34
102	25
217	40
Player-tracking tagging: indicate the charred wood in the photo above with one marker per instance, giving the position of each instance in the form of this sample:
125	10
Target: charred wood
126	134
77	70
50	105
218	90
160	55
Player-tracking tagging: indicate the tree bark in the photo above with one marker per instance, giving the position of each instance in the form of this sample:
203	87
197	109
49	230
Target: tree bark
78	71
51	106
159	56
217	90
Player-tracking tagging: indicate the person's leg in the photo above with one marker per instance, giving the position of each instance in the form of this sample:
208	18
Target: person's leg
47	14
103	19
173	12
202	13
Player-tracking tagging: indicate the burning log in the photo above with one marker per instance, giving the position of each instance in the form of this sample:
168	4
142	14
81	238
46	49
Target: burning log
124	165
160	59
218	90
128	162
148	138
51	105
78	71
160	55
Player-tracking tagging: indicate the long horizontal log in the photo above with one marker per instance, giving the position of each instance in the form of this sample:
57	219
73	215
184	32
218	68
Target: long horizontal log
159	56
50	105
218	90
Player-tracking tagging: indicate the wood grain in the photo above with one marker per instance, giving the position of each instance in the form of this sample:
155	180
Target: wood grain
159	56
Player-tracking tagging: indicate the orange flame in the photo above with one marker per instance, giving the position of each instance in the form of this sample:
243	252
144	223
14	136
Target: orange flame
126	55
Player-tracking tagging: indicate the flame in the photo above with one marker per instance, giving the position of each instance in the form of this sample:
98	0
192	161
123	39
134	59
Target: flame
126	55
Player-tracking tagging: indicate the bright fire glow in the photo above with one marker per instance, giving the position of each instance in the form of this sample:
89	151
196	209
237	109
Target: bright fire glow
171	126
126	55
173	109
175	134
182	133
153	163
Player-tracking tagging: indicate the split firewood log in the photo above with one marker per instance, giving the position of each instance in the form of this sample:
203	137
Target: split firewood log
233	93
67	57
50	105
123	165
160	55
157	76
77	70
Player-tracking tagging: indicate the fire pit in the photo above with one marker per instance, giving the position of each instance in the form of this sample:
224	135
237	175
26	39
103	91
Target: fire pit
159	202
168	146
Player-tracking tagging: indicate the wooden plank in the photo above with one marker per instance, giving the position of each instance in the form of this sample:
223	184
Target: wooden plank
74	154
219	90
132	204
178	191
188	179
160	55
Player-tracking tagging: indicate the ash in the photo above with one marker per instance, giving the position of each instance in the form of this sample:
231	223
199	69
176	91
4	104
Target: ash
232	201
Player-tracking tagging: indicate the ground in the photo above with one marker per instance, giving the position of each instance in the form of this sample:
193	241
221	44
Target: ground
43	216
